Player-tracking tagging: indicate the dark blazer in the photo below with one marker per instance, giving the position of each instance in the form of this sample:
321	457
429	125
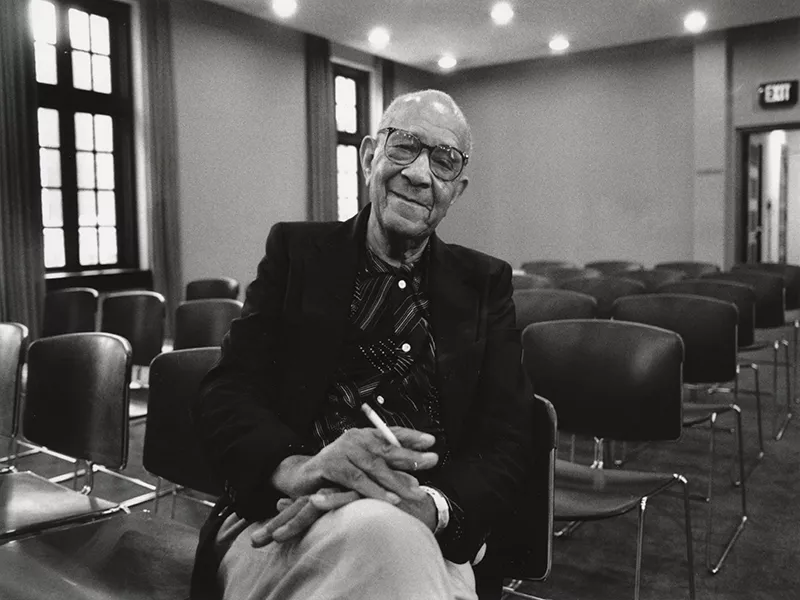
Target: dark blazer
257	405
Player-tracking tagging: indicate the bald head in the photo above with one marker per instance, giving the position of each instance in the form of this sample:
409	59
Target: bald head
436	101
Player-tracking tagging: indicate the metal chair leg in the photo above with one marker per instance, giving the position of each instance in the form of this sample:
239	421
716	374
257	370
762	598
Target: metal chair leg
776	347
687	515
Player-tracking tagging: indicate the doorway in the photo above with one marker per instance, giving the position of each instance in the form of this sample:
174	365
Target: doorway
770	205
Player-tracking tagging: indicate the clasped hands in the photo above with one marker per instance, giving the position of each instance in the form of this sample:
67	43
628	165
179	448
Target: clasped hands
358	464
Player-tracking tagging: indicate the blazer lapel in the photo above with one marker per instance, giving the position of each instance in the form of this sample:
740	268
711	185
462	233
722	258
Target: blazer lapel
455	318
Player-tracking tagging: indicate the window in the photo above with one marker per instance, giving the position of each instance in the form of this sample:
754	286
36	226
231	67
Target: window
352	119
83	75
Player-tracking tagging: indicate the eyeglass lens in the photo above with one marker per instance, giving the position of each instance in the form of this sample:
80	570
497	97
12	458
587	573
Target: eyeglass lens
403	148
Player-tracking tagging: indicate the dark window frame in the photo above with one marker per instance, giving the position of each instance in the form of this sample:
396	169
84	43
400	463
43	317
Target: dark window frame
362	80
119	105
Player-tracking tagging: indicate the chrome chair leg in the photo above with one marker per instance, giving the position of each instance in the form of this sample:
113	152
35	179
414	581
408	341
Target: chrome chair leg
157	491
687	515
788	417
639	541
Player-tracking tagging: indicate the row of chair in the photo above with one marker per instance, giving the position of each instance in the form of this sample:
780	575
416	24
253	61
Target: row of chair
59	542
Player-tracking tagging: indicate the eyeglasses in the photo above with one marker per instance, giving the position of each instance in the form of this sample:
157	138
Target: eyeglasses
403	147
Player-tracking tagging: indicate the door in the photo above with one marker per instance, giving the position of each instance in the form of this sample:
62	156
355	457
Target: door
753	214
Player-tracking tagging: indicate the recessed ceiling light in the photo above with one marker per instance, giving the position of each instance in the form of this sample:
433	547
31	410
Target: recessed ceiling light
284	8
502	13
559	43
447	62
379	37
695	22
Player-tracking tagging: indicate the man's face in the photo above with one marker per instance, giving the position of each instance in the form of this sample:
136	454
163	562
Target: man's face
409	200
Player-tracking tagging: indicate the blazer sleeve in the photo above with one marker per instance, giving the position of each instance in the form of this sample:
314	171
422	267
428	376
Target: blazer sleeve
485	475
236	414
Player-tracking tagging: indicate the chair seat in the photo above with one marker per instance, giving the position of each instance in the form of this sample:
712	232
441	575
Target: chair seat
29	501
585	494
128	557
695	413
755	346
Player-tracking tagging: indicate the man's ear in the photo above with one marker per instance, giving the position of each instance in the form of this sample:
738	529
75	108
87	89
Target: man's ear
461	186
366	154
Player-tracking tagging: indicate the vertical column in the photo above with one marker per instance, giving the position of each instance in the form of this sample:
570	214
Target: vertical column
713	227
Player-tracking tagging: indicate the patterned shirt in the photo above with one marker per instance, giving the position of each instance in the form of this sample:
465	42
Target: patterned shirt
388	359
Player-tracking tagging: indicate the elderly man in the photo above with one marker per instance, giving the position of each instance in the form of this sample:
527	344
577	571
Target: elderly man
375	315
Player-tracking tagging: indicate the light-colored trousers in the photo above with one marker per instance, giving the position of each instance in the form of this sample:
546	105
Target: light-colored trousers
366	550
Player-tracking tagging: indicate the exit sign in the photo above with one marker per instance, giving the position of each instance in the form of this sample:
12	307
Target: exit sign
777	93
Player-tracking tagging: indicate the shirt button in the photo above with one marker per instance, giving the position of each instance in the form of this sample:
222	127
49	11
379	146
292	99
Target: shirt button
401	284
405	347
380	399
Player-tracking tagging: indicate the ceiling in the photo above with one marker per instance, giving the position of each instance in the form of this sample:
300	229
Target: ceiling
423	30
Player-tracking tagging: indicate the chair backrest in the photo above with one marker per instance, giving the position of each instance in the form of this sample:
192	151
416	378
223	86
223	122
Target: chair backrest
541	267
200	323
138	316
608	379
76	401
791	277
521	545
212	287
610	267
654	278
171	449
559	274
740	294
707	327
604	289
70	310
770	292
13	345
534	306
529	281
689	268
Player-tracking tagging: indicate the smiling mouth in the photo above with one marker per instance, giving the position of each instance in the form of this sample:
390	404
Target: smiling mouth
410	200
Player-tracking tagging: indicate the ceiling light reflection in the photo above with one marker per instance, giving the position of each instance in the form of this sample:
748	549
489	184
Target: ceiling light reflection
695	22
447	62
379	37
559	43
502	13
284	8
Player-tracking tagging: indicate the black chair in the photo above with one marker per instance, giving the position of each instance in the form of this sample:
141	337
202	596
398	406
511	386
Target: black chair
744	298
612	267
171	450
559	274
653	278
13	346
610	380
139	317
212	287
707	327
76	404
770	290
128	557
529	281
520	548
71	310
541	267
534	306
605	289
689	268
201	323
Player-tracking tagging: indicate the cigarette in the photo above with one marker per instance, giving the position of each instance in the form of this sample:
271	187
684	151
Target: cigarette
380	425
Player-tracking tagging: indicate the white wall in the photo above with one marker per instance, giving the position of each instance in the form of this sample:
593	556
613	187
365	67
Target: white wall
240	90
580	157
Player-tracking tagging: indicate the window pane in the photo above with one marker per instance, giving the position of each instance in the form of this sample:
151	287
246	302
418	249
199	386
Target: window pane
347	180
46	63
51	208
43	19
346	118
54	255
85	167
104	132
79	29
84	139
100	43
50	167
48	128
108	245
81	70
106	208
87	245
87	210
345	90
101	71
105	171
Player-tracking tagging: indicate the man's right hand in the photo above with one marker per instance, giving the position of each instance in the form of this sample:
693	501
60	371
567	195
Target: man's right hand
361	460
